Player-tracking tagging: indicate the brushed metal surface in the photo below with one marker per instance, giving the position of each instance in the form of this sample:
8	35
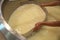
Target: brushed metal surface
6	30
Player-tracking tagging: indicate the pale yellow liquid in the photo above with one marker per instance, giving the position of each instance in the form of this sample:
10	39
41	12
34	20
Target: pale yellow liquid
25	17
49	32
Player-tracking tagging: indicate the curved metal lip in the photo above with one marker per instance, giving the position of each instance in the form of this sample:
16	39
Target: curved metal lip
8	28
4	22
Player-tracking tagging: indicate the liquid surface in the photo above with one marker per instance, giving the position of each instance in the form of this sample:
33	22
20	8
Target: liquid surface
24	18
49	32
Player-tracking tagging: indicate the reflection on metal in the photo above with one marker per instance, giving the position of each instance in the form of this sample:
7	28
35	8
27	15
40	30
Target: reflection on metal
6	30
